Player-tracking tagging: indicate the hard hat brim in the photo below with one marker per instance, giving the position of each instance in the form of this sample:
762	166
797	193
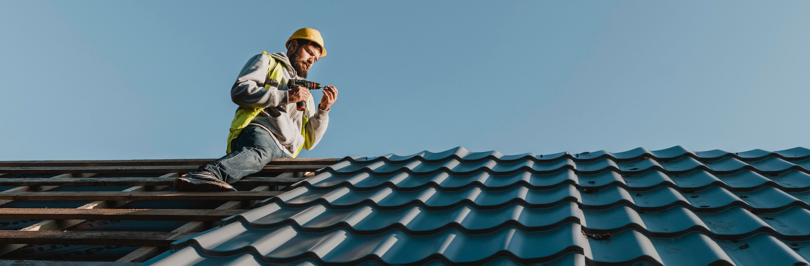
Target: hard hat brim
323	50
309	34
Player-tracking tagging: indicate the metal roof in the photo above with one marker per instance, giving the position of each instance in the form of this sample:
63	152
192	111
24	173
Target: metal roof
665	207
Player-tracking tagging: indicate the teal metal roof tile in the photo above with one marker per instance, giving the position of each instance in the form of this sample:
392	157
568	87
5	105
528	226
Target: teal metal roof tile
660	207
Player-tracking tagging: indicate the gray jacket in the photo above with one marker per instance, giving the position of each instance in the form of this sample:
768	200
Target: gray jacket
280	116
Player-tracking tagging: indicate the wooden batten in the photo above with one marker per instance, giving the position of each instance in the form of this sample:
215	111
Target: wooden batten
140	238
131	181
158	162
51	231
139	195
118	214
143	169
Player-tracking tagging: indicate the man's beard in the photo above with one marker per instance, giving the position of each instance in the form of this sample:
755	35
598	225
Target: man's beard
299	69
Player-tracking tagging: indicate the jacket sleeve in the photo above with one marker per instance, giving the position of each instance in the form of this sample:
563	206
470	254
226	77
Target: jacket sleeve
248	90
316	128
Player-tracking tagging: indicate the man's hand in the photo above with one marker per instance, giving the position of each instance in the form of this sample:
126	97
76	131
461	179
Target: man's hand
329	98
297	94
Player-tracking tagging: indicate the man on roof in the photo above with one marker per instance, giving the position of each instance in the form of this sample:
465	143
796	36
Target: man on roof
268	124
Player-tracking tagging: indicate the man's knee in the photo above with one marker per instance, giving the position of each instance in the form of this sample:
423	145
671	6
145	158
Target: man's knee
263	154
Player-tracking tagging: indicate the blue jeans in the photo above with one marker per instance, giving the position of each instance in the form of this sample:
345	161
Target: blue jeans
253	149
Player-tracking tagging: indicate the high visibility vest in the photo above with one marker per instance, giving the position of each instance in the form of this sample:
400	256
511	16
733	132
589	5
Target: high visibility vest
244	116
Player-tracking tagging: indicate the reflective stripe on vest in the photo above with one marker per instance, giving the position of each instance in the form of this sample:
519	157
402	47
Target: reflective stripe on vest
244	116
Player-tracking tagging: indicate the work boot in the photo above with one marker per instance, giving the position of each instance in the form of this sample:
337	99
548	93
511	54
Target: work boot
201	181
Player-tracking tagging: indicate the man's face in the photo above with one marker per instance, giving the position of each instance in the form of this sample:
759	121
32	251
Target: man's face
303	57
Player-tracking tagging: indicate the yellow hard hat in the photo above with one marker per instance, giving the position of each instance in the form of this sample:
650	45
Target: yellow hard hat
308	34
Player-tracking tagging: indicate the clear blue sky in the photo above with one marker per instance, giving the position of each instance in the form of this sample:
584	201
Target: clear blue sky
151	79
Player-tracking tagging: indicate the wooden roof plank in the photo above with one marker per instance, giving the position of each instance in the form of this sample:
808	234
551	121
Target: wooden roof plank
143	169
63	263
139	195
118	214
132	181
158	162
128	238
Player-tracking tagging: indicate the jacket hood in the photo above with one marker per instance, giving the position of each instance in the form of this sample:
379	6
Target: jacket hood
282	57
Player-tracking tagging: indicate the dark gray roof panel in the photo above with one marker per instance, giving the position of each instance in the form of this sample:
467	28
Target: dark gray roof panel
668	153
288	243
663	207
456	166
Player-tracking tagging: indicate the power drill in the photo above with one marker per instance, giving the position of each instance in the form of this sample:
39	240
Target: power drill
301	106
